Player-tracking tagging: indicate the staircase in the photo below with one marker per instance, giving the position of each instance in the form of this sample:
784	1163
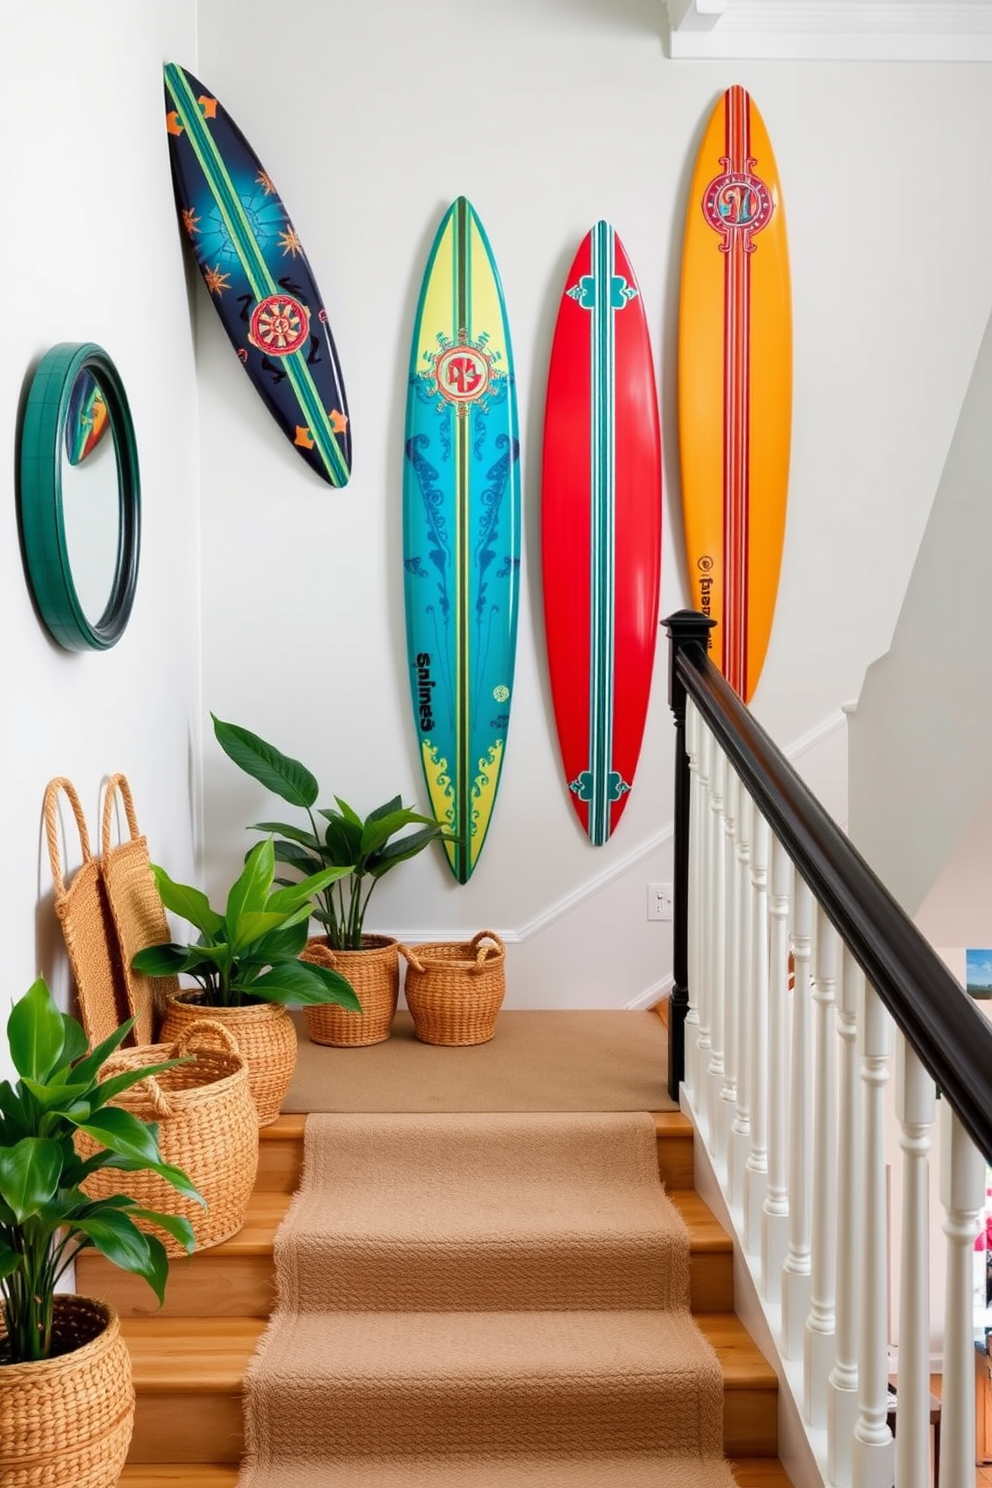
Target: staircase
189	1357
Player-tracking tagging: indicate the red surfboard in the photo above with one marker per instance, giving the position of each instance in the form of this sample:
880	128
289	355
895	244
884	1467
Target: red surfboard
601	528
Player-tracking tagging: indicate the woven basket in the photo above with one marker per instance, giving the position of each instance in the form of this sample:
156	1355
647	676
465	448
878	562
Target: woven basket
374	972
455	990
136	911
84	915
66	1422
265	1035
207	1125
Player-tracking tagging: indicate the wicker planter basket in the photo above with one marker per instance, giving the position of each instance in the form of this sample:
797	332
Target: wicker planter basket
66	1422
455	990
265	1036
374	972
207	1125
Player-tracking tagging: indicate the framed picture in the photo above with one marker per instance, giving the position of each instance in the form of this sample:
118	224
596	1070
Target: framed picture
978	974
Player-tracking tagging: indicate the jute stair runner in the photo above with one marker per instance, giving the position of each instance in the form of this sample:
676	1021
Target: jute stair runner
483	1301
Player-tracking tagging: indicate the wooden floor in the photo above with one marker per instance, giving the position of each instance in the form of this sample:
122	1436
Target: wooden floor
189	1357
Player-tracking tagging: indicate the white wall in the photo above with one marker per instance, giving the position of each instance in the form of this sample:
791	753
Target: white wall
549	114
90	252
919	736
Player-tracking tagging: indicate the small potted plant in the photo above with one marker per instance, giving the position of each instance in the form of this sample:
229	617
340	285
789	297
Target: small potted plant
363	850
64	1367
246	963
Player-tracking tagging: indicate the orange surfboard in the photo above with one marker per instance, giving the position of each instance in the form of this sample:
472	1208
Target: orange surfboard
735	386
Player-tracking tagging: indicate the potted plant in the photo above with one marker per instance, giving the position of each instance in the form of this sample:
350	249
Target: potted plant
364	851
61	1354
247	965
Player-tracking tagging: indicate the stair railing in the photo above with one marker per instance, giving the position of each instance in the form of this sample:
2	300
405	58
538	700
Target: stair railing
799	987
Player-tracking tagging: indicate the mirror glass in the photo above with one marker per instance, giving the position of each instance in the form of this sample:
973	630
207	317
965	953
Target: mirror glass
79	496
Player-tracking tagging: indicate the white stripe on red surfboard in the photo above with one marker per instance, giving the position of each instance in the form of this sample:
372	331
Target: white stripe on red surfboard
736	415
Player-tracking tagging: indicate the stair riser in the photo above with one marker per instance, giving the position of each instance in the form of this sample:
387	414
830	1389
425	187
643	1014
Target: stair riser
675	1160
208	1428
210	1285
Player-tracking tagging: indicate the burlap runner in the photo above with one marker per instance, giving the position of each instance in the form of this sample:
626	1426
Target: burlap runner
472	1299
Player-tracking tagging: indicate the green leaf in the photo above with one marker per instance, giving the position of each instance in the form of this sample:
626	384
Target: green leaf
29	1175
282	945
402	849
278	772
110	1088
53	1097
36	1032
10	1261
300	982
293	834
342	839
163	960
122	1133
348	812
89	1068
117	1237
250	889
180	1229
253	929
191	904
75	1043
386	809
293	895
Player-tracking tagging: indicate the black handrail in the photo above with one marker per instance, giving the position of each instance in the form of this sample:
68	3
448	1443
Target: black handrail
951	1037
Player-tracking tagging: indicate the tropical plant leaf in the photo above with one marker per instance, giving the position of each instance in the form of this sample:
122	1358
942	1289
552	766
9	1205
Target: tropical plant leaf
36	1032
174	1224
191	904
74	1042
342	839
278	772
251	888
123	1133
167	959
29	1175
300	982
293	895
403	849
52	1097
294	834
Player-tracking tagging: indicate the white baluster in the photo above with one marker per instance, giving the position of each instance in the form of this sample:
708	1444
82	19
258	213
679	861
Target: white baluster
718	963
820	1346
695	923
756	1171
740	1131
915	1113
873	1458
842	1395
775	1208
731	965
705	891
962	1193
796	1273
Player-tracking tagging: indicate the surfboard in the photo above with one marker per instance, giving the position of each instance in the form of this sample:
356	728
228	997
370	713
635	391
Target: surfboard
601	528
461	531
257	275
735	386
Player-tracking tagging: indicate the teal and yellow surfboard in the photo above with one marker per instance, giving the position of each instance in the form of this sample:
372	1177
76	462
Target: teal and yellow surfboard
461	531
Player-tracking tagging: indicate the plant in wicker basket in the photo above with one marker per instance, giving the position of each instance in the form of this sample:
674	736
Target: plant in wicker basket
45	1218
363	851
247	965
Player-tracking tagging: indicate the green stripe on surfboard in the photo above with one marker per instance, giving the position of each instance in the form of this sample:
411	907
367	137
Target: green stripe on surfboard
253	262
602	548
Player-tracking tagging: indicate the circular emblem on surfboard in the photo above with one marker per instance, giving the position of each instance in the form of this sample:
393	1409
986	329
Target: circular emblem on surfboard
279	325
501	693
462	373
737	205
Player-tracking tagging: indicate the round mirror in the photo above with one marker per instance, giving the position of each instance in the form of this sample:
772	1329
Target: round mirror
80	499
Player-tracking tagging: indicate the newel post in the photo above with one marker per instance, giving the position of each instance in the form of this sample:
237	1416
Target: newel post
685	628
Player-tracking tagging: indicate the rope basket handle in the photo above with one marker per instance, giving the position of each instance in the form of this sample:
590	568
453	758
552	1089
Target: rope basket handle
114	784
410	958
208	1027
52	827
117	1064
482	952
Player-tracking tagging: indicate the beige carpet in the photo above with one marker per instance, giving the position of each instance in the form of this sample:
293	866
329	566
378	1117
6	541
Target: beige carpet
483	1301
538	1061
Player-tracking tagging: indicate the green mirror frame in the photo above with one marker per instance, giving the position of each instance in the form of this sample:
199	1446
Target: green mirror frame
43	528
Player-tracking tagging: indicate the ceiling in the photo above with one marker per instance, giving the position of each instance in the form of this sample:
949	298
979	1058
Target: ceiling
842	30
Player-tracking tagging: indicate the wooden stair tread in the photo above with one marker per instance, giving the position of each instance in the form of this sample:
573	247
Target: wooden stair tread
743	1364
706	1233
758	1472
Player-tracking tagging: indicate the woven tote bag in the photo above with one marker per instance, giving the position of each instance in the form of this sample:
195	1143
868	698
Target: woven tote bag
455	990
136	910
87	927
207	1125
